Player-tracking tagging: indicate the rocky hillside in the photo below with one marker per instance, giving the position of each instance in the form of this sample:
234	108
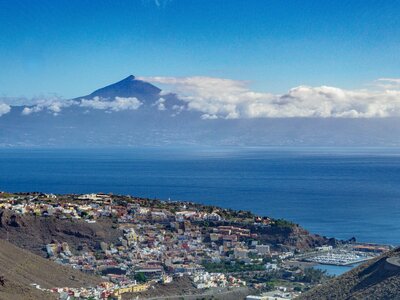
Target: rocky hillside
33	233
292	236
20	268
377	279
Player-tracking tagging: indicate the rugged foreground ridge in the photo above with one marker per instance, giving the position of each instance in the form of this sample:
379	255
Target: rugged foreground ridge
377	279
20	268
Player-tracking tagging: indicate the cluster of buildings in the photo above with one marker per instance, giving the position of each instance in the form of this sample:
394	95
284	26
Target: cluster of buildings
105	290
158	251
157	242
47	205
204	280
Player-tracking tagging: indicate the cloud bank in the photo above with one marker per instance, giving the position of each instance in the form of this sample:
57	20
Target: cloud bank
388	83
55	106
118	104
231	99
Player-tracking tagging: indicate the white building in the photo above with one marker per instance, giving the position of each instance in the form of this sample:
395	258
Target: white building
241	253
263	249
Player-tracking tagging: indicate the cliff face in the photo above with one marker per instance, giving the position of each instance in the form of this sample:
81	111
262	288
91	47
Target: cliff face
377	279
32	233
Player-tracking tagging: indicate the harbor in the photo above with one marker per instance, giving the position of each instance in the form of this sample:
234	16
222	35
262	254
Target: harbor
347	255
340	258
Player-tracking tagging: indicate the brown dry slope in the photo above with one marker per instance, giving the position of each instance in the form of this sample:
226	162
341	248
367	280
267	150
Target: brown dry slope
33	233
20	268
378	279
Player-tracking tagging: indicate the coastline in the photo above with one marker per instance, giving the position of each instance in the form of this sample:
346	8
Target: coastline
303	189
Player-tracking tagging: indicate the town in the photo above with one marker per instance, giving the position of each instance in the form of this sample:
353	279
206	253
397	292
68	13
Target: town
162	242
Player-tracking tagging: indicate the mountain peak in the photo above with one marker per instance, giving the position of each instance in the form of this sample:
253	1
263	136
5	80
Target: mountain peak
130	77
127	87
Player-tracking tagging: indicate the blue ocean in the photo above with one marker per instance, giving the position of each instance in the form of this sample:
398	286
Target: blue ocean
340	193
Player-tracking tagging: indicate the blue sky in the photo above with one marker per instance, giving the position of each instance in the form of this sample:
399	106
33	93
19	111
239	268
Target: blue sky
73	47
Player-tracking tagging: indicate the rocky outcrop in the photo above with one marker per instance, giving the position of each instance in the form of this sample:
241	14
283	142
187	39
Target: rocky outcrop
292	236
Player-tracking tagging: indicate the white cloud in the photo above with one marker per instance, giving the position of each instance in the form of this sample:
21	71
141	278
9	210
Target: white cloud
118	104
208	117
53	106
160	104
230	99
4	109
157	3
28	110
388	83
177	109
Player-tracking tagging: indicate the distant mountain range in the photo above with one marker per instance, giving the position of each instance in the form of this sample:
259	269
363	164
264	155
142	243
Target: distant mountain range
136	113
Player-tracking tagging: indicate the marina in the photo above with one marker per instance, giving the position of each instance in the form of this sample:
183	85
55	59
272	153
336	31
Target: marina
347	255
339	259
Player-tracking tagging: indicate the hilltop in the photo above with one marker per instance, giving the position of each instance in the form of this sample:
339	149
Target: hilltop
376	279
